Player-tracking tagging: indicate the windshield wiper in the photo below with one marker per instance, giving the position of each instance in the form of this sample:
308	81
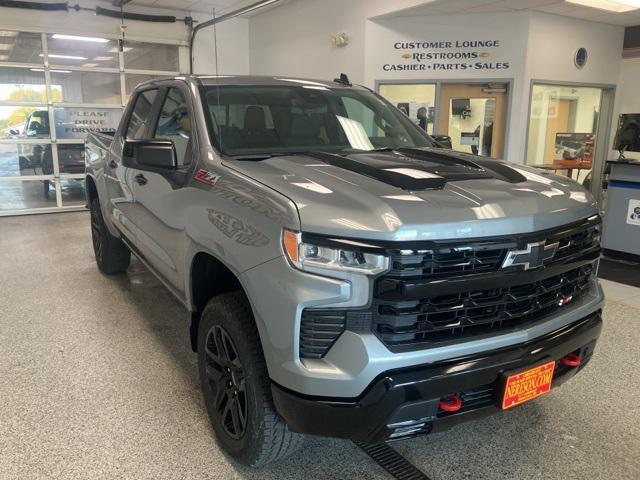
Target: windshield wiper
264	156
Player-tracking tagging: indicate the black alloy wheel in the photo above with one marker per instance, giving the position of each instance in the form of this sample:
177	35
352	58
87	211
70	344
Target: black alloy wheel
226	377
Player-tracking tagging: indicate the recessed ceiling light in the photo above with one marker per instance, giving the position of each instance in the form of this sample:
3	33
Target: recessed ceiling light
59	36
67	57
102	59
52	71
89	65
618	6
115	49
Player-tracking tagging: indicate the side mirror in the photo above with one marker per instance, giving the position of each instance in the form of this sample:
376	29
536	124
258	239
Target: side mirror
443	141
155	153
13	131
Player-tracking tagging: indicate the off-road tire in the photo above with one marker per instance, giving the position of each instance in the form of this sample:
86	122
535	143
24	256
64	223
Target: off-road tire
266	437
112	255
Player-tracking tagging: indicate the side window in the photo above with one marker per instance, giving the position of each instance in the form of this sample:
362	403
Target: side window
140	116
174	124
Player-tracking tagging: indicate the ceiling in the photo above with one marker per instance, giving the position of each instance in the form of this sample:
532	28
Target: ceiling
204	6
558	7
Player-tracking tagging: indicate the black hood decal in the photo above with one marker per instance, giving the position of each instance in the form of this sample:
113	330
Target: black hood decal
415	169
498	169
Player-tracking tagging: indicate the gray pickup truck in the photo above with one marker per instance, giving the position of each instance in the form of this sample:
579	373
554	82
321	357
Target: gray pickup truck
346	276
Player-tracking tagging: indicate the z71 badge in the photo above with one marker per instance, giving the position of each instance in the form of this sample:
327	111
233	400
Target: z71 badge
206	177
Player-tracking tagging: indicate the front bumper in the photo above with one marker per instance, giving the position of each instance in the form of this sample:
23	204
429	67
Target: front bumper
403	403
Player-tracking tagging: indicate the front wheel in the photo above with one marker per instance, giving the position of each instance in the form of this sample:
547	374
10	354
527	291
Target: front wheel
236	384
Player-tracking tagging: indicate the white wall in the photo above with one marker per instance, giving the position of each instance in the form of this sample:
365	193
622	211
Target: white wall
233	48
554	40
295	39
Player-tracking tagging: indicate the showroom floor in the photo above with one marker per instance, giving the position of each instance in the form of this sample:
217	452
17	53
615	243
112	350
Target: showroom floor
98	381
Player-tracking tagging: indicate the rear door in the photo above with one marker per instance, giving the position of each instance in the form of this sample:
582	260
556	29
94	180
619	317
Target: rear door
159	200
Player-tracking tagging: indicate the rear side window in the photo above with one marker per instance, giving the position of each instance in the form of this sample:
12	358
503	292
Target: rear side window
140	116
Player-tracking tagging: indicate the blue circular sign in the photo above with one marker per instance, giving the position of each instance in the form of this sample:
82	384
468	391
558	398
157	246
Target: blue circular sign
581	57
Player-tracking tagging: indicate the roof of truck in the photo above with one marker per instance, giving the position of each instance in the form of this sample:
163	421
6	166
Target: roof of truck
256	80
265	80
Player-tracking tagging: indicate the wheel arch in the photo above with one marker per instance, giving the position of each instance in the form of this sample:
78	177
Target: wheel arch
208	277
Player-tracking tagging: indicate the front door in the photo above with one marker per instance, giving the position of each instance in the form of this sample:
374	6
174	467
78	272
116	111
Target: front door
118	178
474	116
158	211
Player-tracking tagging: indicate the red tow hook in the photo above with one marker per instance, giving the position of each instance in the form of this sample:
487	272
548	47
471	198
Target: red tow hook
451	403
571	360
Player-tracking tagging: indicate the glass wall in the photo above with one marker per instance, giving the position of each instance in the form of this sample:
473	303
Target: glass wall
417	101
54	89
562	129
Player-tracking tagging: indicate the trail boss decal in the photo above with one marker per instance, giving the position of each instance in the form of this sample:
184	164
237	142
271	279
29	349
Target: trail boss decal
206	177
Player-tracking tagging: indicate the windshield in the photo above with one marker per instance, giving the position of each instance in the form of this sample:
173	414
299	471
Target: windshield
263	120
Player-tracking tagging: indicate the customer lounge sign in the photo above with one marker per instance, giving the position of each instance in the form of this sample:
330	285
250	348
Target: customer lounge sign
456	55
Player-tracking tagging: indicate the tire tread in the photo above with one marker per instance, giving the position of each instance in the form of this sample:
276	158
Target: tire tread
278	441
116	256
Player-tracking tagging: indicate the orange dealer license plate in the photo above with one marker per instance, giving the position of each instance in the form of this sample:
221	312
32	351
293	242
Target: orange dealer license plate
526	385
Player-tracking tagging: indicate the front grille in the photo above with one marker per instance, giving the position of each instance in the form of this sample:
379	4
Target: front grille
436	292
483	256
474	312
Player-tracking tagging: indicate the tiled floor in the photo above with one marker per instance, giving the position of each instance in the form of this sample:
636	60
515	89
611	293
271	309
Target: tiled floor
622	293
97	380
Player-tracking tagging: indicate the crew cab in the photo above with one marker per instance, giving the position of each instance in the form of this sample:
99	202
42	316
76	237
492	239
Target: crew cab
345	275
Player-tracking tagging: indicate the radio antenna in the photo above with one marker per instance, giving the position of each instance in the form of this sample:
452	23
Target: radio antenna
215	40
215	52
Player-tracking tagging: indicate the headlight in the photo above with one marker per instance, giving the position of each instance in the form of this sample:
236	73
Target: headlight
306	256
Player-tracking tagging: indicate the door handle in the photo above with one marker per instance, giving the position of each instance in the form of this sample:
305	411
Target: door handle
141	179
113	164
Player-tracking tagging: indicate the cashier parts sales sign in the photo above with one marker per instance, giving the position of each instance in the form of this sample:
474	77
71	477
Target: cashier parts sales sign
458	55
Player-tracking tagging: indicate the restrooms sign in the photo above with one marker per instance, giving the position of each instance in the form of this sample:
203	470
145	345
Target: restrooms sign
451	56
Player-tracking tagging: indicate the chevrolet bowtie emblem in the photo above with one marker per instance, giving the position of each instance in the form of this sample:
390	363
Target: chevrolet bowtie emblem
533	256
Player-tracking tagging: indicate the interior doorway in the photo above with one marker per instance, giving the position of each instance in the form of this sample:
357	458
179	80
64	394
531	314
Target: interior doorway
475	117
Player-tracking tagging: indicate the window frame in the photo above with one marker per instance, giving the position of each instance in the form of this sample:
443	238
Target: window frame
152	111
187	100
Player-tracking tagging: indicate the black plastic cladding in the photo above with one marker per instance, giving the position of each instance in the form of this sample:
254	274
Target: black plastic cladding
409	394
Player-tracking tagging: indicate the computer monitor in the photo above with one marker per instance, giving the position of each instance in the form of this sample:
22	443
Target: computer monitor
628	134
460	105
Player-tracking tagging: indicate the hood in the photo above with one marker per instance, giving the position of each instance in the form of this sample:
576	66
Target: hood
419	194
